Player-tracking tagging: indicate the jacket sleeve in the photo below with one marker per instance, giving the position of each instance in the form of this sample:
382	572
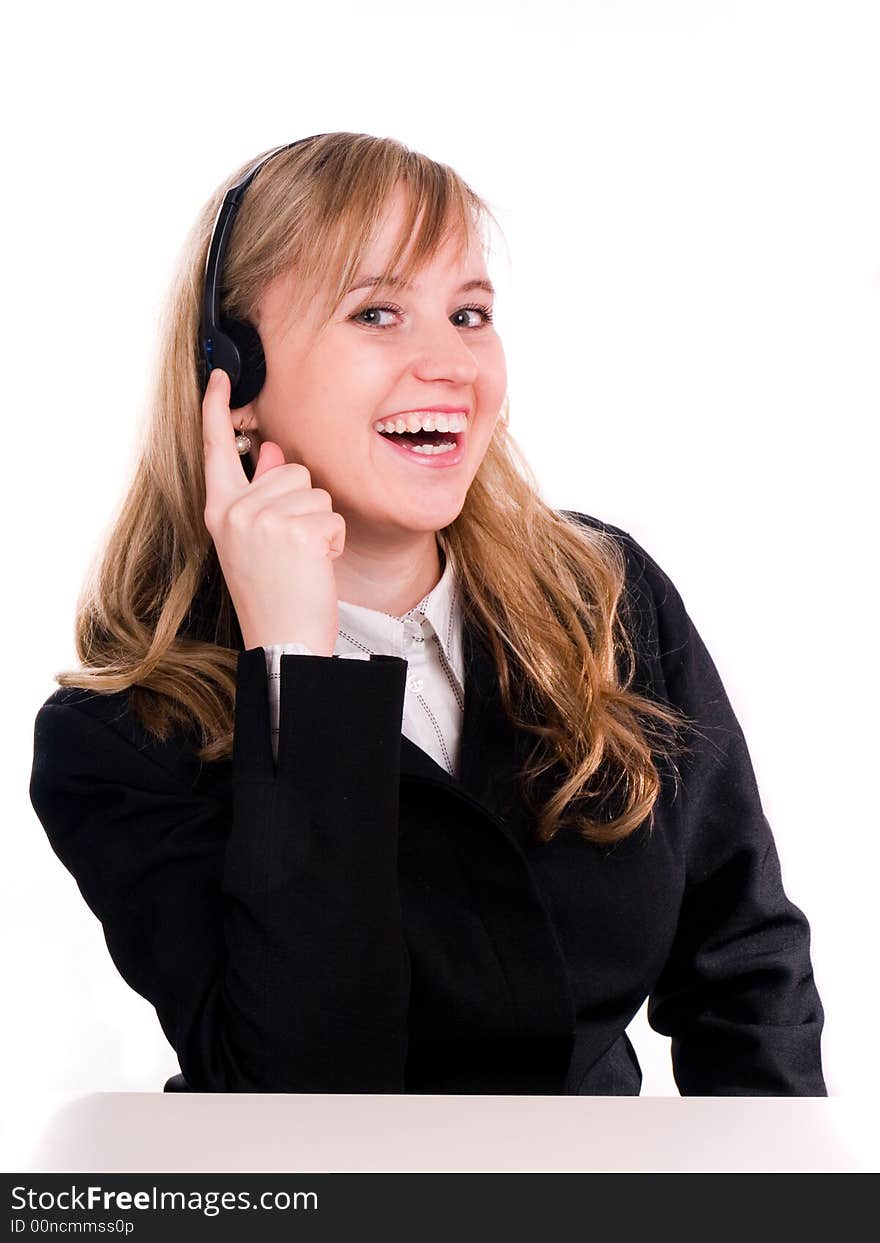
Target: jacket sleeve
265	928
274	652
737	994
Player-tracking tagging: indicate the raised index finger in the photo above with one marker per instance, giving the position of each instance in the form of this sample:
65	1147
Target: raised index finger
224	470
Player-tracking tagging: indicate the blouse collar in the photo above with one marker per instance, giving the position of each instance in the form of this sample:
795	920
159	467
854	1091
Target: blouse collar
437	613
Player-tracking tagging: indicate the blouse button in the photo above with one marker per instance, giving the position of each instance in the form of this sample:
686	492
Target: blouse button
415	684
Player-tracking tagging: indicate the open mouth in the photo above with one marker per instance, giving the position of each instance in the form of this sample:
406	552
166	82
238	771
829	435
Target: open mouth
426	444
433	449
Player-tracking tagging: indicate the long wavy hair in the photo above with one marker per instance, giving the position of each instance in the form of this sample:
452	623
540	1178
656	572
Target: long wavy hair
546	593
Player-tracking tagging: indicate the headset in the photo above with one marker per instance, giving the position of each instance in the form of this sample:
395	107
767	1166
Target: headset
234	345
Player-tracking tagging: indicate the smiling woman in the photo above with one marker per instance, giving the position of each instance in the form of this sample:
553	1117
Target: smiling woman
380	774
365	361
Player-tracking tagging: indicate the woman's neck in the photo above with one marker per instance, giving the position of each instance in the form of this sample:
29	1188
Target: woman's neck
391	578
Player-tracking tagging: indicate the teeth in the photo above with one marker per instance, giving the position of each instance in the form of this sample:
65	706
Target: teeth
427	450
424	423
444	447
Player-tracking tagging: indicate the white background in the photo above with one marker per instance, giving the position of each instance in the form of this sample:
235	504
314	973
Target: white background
689	306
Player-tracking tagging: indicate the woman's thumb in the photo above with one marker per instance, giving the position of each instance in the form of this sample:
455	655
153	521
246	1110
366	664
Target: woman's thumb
271	455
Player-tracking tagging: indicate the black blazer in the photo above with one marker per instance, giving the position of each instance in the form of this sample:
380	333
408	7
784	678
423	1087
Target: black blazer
361	921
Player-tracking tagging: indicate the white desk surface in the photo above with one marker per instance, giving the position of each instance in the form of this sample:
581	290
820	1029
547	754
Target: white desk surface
303	1133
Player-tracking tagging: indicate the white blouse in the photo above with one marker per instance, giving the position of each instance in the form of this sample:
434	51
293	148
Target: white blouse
429	639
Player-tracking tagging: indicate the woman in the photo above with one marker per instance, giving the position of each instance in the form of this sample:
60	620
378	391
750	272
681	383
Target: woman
380	774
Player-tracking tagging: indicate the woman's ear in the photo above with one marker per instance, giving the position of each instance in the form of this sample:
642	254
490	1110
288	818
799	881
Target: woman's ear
244	419
243	422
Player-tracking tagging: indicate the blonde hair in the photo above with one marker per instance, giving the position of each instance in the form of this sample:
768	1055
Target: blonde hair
546	593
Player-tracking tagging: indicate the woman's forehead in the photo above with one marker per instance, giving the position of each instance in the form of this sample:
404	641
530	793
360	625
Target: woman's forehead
453	254
402	215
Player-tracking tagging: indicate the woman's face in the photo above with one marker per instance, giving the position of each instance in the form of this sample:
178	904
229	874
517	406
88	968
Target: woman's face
325	389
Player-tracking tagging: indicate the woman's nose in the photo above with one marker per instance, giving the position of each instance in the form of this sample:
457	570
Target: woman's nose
443	354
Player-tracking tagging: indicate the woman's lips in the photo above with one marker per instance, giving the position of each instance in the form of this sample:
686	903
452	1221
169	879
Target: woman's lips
401	414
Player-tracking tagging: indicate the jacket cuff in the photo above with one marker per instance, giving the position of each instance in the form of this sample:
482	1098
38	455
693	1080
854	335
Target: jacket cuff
332	712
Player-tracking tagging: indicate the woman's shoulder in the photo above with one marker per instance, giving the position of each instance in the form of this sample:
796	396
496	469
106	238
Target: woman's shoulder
105	706
649	588
77	721
671	659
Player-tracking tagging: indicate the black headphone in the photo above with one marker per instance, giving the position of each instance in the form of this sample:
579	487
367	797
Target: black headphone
234	345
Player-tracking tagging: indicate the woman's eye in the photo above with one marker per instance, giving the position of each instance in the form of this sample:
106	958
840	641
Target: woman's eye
369	316
476	310
374	312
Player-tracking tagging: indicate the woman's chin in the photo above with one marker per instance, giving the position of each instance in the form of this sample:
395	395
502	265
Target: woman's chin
417	514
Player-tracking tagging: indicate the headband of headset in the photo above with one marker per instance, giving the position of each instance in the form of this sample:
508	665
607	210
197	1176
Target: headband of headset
232	344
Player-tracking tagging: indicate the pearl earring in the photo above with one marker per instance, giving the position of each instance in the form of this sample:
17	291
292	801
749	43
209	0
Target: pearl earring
242	442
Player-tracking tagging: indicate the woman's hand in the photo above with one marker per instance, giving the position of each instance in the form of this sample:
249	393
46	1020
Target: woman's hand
276	536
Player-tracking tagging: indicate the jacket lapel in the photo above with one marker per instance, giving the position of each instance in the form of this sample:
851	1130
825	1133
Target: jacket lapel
489	861
491	749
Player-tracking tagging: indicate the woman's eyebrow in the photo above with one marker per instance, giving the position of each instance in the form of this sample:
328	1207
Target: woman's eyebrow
369	282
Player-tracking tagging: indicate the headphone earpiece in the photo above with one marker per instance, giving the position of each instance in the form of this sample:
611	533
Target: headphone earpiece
239	342
234	345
